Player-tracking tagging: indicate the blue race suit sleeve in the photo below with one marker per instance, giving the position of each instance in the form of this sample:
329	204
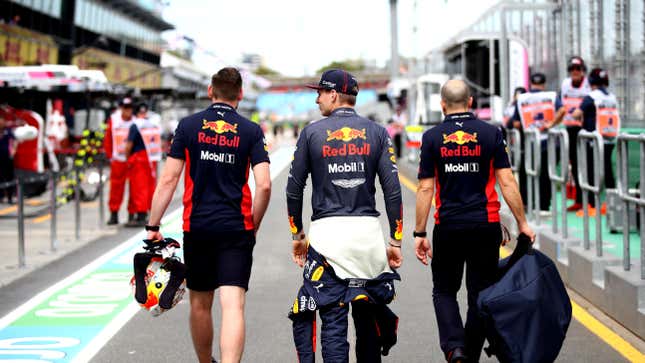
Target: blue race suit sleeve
388	174
296	183
178	146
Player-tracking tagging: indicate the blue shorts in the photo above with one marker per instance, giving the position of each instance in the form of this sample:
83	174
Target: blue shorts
218	259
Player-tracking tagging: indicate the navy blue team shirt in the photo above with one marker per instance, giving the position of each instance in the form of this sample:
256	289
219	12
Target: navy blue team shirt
344	153
219	147
462	154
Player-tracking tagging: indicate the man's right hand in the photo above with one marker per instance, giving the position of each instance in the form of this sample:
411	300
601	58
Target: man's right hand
524	228
394	256
422	249
299	254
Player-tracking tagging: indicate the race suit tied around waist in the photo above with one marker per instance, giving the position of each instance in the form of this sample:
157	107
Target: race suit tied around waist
321	287
528	311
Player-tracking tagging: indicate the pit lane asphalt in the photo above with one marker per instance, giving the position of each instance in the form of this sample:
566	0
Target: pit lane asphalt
274	283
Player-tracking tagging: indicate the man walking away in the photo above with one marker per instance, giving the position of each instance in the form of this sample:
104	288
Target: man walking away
217	147
345	257
461	159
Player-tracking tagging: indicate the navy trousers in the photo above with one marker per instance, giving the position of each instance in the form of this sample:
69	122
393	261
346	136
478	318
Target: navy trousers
333	334
477	247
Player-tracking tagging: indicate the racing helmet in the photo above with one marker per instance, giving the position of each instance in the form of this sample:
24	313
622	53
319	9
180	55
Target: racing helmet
159	276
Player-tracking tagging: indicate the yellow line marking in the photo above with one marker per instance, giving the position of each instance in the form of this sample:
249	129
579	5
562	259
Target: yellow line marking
607	335
34	203
41	219
592	324
408	183
8	210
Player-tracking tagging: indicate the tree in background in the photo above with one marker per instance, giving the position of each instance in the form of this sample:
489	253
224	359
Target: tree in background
348	65
266	71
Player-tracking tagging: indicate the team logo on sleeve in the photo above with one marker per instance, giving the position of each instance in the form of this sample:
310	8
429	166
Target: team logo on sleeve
460	137
292	225
346	134
398	234
219	126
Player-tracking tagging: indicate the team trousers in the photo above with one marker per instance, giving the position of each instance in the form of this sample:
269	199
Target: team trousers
333	334
477	247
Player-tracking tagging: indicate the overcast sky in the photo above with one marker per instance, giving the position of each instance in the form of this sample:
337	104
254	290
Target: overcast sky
296	37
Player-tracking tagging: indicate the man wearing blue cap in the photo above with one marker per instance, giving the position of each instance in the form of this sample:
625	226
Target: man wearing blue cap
345	257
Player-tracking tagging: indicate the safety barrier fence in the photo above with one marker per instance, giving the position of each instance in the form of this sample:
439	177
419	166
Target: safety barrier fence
532	160
591	141
52	178
622	184
514	142
558	137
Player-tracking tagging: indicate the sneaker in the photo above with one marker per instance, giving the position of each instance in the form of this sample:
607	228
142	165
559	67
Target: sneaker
139	221
575	207
545	213
456	355
581	212
114	219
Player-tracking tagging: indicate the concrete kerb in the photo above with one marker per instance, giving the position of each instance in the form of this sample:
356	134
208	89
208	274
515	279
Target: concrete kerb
628	290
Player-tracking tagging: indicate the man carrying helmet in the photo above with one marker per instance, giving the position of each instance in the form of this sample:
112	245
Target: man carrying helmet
218	147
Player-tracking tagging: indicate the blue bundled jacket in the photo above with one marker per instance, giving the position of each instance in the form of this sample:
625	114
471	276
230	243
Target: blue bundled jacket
528	311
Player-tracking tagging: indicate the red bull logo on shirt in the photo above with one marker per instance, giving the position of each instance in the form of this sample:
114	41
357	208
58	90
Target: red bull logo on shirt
346	134
219	126
460	137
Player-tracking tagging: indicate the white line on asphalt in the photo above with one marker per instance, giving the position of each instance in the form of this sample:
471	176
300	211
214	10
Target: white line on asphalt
280	159
84	271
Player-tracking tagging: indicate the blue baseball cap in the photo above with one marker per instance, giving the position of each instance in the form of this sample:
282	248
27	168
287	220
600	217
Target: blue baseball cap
598	77
538	78
339	80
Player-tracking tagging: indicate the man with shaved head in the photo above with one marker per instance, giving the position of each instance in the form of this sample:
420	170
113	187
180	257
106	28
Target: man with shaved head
462	159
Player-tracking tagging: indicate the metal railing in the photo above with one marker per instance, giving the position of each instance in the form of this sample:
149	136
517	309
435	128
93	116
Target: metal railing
594	140
558	137
626	198
514	142
532	160
52	178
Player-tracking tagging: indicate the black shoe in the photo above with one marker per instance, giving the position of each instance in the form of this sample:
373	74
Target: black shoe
456	355
114	219
213	360
139	221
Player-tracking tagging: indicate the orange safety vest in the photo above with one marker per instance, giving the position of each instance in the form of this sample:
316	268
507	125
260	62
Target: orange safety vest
572	98
120	130
151	135
607	117
537	109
